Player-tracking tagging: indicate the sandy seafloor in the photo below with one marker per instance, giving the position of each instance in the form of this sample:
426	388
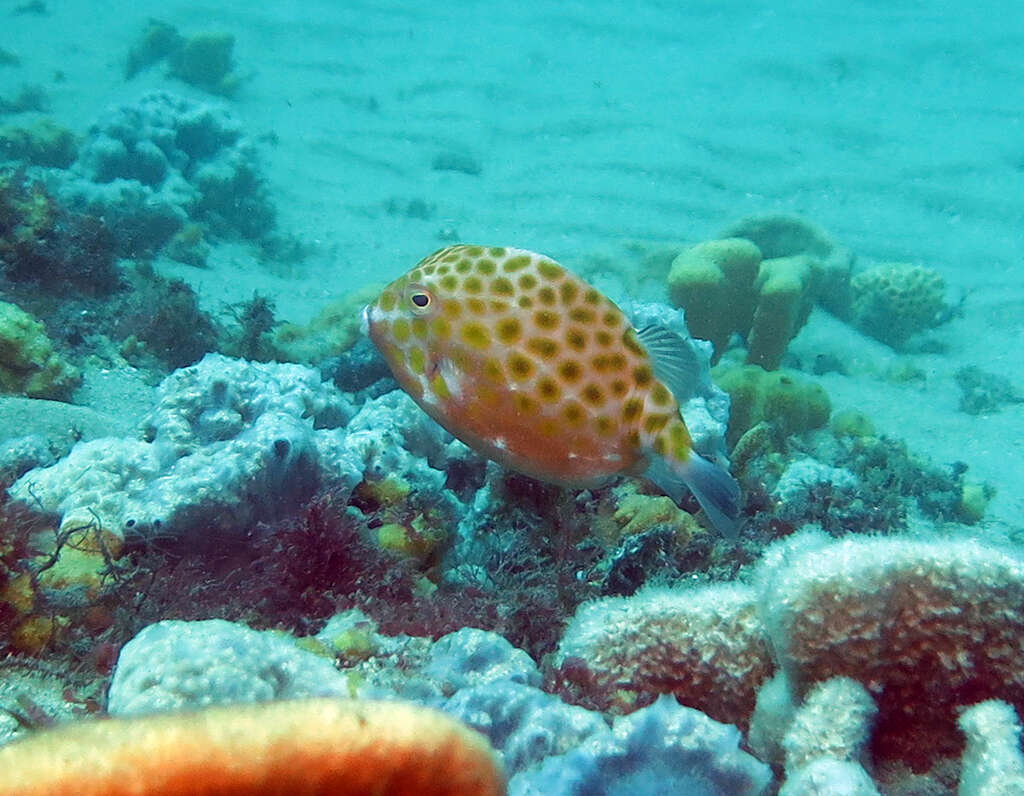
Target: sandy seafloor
898	126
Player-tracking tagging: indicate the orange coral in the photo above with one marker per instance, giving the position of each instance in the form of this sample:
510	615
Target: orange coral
300	748
926	625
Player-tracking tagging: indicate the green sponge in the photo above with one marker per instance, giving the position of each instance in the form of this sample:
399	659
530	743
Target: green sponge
786	289
783	398
714	283
28	363
725	287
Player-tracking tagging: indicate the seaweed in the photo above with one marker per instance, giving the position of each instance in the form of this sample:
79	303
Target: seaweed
46	245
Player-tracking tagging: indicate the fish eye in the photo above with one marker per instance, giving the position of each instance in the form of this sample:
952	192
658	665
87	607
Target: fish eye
420	300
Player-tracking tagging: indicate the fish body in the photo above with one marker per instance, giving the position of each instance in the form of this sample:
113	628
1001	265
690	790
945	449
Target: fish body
536	369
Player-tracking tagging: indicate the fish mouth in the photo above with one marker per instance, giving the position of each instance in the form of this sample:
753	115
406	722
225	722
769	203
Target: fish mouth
364	320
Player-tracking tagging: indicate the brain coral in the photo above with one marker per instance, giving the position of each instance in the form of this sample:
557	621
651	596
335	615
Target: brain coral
894	301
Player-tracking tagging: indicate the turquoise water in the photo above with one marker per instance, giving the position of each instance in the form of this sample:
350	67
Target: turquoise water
184	181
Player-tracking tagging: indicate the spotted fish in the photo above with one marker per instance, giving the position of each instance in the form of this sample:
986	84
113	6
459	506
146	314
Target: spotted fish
534	368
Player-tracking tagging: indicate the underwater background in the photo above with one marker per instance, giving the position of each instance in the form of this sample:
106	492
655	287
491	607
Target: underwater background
215	493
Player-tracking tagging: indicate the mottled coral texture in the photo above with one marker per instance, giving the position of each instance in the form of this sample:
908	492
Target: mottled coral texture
706	646
926	625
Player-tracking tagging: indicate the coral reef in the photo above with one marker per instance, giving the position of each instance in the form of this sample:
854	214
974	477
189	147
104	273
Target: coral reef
865	608
474	676
925	625
894	301
637	514
360	369
781	235
29	97
853	483
726	287
982	392
810	489
470	657
162	315
787	288
228	440
315	747
175	665
706	410
205	60
706	646
526	725
18	455
250	338
28	363
156	42
43	143
714	283
334	330
151	167
661	748
830	732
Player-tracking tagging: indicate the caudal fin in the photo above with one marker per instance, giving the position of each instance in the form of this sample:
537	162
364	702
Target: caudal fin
715	490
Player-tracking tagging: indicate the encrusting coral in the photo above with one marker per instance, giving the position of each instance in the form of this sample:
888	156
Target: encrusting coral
317	747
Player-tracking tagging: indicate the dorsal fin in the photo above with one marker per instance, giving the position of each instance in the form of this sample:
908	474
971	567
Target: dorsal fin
675	362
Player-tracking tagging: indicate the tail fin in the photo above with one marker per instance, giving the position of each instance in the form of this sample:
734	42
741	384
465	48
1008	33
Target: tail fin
715	490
